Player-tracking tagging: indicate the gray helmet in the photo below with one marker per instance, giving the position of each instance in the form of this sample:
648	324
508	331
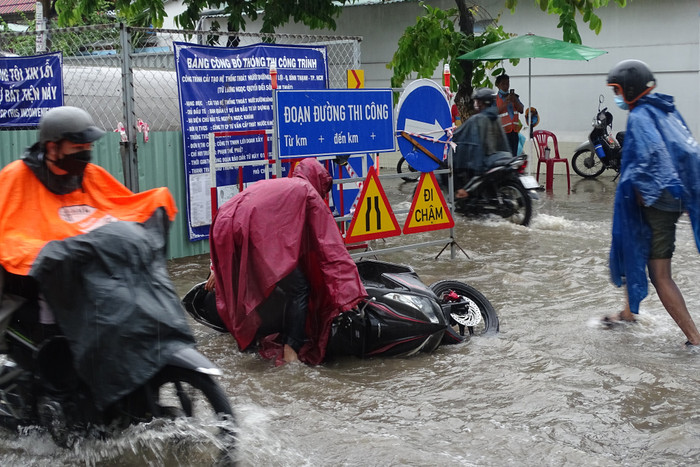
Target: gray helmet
71	123
485	95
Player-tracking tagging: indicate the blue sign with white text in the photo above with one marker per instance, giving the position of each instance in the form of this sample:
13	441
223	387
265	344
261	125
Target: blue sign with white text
29	87
334	122
226	90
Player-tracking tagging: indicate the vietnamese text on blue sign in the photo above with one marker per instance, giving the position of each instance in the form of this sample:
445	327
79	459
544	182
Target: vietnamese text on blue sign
331	122
29	87
229	89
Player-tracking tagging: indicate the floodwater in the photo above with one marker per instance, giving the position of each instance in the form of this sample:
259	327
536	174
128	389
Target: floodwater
553	388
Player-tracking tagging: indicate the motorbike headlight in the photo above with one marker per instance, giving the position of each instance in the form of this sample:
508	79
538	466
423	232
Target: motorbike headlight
417	302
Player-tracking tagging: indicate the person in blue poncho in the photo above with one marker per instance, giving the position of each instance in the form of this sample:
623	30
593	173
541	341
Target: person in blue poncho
659	180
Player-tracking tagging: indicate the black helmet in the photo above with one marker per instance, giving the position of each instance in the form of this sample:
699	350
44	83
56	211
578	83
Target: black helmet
71	123
632	78
485	95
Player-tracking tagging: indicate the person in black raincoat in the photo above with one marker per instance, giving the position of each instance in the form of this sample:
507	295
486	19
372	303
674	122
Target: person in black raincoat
480	141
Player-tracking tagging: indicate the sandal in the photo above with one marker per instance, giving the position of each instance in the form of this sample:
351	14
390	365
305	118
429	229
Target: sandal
616	319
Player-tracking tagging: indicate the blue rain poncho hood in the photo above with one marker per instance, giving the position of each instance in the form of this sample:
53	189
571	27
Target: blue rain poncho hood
659	153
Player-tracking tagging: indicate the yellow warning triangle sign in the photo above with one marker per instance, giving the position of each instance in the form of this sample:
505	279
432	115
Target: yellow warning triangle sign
373	216
429	210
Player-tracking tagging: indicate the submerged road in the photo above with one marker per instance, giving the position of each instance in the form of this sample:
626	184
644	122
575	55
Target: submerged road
554	387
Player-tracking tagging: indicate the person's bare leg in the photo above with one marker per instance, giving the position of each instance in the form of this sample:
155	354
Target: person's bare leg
289	354
672	298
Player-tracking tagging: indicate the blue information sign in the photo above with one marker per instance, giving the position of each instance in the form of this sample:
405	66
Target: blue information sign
229	89
423	110
29	87
333	122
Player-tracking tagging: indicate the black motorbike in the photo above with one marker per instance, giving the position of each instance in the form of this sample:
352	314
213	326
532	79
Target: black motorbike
601	151
39	386
401	317
502	190
97	339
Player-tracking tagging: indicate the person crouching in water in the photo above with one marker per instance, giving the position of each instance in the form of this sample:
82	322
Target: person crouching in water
281	233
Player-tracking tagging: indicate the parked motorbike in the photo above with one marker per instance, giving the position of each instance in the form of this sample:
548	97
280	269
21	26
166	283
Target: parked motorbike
401	317
502	190
39	386
601	151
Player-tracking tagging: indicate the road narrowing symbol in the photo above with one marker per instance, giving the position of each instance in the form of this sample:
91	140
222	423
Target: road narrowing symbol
429	210
373	216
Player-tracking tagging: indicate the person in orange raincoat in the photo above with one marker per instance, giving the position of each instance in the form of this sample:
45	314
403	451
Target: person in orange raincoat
92	253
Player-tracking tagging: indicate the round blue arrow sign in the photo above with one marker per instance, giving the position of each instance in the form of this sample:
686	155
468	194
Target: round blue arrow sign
423	110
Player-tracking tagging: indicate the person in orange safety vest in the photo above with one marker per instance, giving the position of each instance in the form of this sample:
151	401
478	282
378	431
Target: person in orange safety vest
509	109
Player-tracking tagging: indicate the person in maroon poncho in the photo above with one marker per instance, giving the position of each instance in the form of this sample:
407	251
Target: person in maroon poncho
280	232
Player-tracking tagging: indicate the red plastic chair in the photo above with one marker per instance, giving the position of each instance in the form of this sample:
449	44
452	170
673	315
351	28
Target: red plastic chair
542	138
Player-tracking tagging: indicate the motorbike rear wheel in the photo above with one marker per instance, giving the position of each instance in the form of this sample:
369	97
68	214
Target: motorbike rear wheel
513	192
489	319
587	164
400	169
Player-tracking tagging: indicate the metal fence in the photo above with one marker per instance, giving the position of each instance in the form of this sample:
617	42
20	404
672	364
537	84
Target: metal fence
102	62
123	74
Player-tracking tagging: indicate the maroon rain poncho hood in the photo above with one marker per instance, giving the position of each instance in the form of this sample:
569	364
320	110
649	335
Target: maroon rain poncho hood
259	236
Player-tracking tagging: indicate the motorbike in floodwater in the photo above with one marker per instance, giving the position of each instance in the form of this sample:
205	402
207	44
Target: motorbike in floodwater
502	190
601	151
401	316
39	386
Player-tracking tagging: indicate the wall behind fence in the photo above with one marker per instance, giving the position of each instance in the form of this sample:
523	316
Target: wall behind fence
122	74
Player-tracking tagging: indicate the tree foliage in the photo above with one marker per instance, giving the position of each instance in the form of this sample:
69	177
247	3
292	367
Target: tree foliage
82	12
69	42
434	41
316	14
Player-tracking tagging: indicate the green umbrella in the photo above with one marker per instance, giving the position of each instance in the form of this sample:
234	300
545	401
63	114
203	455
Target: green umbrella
531	46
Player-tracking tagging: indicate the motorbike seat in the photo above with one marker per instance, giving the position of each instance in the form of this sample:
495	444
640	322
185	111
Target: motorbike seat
620	137
498	159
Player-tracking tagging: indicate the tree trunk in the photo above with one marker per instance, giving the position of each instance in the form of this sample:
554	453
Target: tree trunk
464	90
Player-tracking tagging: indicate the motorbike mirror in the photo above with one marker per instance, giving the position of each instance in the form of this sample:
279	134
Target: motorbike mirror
601	99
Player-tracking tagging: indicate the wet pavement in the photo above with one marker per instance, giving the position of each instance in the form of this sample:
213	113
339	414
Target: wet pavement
554	387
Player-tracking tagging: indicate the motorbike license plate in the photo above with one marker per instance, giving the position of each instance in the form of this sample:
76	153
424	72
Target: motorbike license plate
529	182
